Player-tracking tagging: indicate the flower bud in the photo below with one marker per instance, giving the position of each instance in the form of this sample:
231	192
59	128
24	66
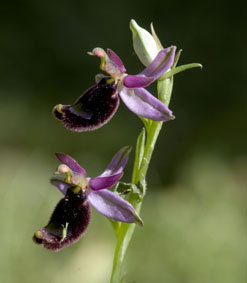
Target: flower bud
144	44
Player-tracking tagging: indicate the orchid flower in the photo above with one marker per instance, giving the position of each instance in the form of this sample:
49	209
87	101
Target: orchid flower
99	103
72	214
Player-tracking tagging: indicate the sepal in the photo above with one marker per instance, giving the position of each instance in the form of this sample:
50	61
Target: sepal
161	64
135	81
109	62
61	185
113	206
142	103
71	163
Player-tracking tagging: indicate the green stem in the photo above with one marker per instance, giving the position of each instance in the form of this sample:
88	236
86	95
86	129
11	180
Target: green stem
143	156
123	238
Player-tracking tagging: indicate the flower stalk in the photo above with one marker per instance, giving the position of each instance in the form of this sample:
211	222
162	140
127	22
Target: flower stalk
146	46
144	150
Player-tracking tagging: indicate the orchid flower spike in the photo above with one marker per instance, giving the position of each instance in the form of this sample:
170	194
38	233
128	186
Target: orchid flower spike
99	103
72	214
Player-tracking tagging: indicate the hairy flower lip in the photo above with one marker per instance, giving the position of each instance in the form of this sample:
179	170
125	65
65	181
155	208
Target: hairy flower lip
99	103
72	214
68	222
93	109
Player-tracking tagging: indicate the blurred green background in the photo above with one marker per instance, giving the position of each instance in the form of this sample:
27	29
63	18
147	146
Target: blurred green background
195	209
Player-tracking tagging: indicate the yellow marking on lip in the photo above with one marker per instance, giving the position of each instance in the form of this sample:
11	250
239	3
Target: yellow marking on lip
76	189
64	233
59	108
37	235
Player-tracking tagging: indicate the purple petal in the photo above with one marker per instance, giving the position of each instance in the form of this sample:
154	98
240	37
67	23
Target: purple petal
100	183
144	104
161	63
114	57
149	70
61	185
131	81
113	206
118	162
71	163
113	172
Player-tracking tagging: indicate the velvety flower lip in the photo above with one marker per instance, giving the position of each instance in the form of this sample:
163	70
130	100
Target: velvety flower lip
68	222
72	214
99	103
92	109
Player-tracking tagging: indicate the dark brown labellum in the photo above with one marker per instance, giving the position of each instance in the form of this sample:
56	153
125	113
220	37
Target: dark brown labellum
92	109
68	222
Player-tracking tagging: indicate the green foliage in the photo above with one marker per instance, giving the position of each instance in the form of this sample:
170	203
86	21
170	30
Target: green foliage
194	229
